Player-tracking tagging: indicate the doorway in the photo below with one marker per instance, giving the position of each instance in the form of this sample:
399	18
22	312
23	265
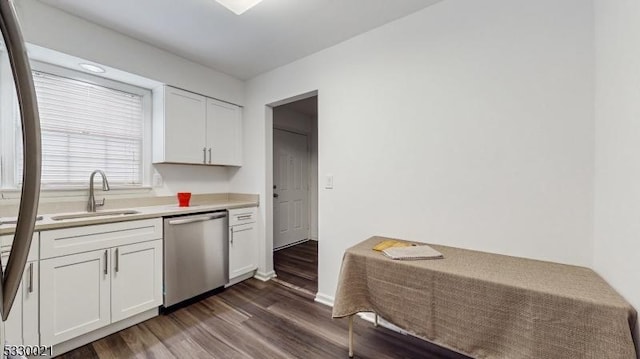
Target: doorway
295	192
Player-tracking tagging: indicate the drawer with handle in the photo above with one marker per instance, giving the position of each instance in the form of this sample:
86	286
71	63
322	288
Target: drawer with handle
29	269
66	241
6	242
239	216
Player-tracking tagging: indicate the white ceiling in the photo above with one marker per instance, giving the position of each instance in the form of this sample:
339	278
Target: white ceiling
272	34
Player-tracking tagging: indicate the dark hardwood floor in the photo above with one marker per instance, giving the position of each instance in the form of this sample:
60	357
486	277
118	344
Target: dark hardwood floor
255	319
298	265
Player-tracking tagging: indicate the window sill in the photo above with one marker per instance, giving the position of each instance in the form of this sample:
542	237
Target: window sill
75	192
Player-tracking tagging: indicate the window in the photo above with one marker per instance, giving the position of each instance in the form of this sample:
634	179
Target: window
87	127
87	123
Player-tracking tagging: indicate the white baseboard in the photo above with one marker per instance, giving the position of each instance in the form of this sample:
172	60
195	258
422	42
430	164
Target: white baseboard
239	279
291	244
369	317
264	276
324	299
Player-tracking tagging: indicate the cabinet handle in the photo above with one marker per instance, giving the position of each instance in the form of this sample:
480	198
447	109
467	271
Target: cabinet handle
196	219
204	155
117	261
209	155
106	262
244	230
246	216
31	277
231	231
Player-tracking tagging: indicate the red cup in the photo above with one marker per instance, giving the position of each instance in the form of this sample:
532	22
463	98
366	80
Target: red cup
183	199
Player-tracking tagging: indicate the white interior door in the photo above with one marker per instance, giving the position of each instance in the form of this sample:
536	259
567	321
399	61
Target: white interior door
291	188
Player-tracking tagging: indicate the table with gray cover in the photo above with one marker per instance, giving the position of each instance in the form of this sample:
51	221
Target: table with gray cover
488	305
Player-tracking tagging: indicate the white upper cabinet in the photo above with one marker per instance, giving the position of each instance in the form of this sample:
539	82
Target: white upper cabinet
224	133
192	129
183	126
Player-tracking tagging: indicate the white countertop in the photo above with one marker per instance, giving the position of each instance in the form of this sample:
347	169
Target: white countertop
48	223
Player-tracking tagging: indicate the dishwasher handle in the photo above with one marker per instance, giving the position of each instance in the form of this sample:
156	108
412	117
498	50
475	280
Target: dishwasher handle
197	219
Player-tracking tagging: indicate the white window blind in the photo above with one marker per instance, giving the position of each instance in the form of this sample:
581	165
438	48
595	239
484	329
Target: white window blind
87	127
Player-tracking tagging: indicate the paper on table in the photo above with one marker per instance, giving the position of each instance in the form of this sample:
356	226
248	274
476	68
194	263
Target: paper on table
412	253
388	243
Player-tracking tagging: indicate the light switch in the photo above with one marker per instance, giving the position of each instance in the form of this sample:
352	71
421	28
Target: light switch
329	182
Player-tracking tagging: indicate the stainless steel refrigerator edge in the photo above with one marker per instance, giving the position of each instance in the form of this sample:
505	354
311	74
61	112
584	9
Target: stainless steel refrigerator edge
195	255
28	208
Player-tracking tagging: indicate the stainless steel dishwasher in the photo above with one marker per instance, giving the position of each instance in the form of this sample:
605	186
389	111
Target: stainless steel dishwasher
195	255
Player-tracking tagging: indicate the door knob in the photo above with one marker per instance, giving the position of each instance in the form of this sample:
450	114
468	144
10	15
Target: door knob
275	195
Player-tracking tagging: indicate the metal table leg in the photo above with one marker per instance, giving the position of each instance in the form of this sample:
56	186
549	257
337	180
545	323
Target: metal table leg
351	336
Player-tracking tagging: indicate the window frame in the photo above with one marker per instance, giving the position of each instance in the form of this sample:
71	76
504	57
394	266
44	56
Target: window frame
8	179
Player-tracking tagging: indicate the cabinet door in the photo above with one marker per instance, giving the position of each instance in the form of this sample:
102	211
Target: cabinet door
224	133
184	132
30	310
75	295
13	324
136	284
21	327
243	249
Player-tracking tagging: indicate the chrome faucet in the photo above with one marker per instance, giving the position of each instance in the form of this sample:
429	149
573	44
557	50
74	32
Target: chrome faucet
91	206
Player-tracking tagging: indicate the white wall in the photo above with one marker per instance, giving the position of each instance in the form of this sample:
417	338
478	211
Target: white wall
188	178
288	119
51	28
617	175
468	123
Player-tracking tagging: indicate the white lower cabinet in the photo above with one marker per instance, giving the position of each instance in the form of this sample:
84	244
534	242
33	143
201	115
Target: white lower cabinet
30	307
243	249
75	295
243	242
86	291
136	282
21	327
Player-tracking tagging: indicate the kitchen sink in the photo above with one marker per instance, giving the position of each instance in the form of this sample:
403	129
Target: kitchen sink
94	214
14	220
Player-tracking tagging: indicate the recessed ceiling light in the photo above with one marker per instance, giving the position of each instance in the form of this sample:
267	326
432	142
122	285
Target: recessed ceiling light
239	6
93	68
